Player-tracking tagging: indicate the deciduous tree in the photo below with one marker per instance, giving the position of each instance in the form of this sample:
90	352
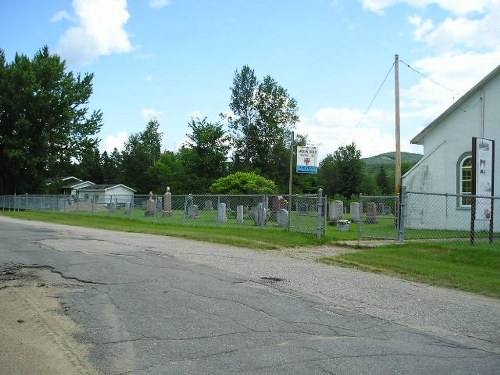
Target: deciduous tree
45	122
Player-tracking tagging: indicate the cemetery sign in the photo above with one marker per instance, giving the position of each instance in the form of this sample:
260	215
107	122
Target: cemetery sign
307	159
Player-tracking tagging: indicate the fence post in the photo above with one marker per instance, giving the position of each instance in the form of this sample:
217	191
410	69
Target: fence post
319	229
402	214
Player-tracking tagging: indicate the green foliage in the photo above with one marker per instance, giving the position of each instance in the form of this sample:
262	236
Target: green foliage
204	155
383	182
142	151
263	116
243	183
342	172
44	120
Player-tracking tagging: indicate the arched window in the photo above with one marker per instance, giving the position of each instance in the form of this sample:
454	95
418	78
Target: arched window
465	182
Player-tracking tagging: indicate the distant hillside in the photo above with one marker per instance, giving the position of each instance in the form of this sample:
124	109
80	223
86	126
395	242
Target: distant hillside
388	160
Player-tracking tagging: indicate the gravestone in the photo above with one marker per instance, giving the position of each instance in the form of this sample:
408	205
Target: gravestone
221	212
277	204
381	208
208	205
193	212
336	211
371	213
150	205
128	208
239	214
282	218
354	210
167	203
259	215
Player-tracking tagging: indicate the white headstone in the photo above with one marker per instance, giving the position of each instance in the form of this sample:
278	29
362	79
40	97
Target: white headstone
282	218
336	210
221	212
354	210
239	214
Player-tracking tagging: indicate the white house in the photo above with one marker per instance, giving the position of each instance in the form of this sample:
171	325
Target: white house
446	166
107	193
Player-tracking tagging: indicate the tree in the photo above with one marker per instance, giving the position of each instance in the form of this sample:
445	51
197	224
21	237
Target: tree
142	151
44	120
205	154
342	172
243	183
111	167
383	182
263	116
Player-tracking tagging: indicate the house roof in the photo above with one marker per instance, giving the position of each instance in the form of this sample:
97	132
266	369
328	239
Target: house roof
104	187
420	136
76	185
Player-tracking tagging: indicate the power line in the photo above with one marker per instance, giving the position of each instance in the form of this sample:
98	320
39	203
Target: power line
430	79
375	96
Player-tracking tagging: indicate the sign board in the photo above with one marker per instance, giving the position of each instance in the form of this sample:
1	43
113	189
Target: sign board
483	156
307	159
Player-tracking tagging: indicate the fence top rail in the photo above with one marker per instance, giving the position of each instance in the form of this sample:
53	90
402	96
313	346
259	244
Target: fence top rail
453	195
377	196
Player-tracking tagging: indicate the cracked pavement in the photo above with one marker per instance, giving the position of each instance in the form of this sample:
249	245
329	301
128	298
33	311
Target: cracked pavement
162	305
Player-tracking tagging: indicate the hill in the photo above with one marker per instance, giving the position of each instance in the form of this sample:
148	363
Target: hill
388	160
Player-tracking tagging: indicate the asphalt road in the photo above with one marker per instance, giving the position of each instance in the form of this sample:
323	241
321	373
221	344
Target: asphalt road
161	305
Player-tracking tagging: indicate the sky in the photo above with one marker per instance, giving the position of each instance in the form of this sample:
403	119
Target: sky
174	60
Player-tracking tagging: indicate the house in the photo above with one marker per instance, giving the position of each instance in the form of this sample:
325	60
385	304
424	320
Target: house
73	187
446	166
107	194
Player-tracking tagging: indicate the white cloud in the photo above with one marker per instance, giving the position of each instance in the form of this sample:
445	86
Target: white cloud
99	31
456	7
62	15
159	3
331	128
115	141
151	114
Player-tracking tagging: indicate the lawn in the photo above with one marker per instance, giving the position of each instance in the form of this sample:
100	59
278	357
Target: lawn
460	266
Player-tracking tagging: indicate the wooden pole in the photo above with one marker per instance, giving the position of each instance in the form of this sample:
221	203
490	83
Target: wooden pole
290	181
397	174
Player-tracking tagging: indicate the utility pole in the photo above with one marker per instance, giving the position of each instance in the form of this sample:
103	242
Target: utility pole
397	174
290	181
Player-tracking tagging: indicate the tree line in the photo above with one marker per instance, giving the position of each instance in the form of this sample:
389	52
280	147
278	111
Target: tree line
47	132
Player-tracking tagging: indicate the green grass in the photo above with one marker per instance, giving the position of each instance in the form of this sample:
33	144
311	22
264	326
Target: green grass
254	237
460	266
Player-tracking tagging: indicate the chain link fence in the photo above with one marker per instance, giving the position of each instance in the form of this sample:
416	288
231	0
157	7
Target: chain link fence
447	217
304	213
429	217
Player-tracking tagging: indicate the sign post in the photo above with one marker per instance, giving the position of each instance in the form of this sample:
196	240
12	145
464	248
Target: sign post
483	169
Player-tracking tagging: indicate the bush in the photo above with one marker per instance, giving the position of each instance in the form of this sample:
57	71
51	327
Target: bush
243	183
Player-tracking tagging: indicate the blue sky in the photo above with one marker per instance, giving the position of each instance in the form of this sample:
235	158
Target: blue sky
175	59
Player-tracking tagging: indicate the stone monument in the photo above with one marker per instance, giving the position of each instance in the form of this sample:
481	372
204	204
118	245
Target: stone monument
167	203
150	205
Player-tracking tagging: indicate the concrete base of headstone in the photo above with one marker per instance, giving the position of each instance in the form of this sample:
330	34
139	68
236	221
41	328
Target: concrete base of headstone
149	213
167	213
343	227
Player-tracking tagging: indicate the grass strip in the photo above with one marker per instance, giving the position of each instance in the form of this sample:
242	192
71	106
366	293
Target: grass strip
459	266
